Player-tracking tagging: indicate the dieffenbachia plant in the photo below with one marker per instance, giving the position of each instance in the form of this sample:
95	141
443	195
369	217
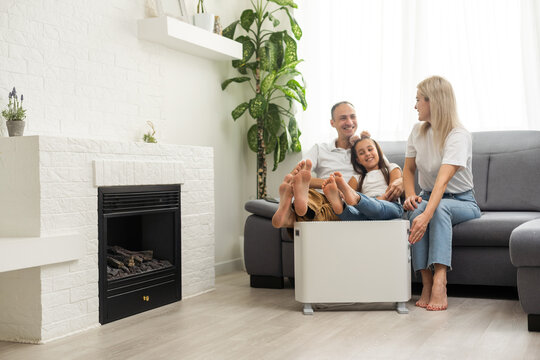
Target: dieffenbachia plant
268	65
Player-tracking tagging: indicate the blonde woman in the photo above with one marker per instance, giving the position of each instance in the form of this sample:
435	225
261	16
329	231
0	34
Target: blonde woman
440	148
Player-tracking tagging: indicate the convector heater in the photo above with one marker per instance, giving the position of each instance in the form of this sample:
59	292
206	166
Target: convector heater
352	262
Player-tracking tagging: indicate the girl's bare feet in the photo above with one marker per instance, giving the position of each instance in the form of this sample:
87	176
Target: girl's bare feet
300	185
331	191
284	216
350	196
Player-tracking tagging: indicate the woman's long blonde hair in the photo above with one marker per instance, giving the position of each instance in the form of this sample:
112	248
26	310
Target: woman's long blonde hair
442	106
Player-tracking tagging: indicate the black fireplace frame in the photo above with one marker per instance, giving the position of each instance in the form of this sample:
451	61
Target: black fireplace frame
128	296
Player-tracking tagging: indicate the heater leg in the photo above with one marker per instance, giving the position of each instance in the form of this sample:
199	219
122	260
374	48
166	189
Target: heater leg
401	308
308	310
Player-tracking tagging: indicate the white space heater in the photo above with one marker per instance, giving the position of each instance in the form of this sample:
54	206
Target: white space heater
352	262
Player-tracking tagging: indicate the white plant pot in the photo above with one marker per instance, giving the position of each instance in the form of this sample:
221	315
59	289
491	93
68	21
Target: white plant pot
204	21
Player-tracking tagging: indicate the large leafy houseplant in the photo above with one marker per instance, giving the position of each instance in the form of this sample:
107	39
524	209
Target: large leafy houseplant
268	65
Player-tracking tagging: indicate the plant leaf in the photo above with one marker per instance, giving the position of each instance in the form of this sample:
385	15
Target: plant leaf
248	47
300	91
295	28
228	32
288	92
239	110
252	138
268	82
288	67
290	50
277	38
247	18
290	3
283	145
257	106
272	121
268	56
277	154
240	79
270	142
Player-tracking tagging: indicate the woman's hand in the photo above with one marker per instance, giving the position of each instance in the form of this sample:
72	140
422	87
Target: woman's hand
411	202
418	228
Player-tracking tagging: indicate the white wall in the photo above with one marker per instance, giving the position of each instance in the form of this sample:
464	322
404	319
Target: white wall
84	73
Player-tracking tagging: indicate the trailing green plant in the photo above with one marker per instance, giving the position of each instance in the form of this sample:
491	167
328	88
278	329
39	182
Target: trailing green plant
200	7
268	66
149	136
14	110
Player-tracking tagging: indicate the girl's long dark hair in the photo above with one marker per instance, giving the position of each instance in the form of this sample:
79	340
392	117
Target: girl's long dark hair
360	169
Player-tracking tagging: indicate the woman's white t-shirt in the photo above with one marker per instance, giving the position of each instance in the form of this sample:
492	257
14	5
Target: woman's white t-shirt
457	151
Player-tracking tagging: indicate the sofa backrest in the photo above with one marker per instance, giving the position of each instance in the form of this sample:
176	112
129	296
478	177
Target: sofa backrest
506	168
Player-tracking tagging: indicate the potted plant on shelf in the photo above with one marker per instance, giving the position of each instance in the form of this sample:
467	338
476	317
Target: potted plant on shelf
14	114
268	66
203	19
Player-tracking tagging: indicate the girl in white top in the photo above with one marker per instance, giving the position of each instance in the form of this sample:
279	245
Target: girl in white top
440	148
364	194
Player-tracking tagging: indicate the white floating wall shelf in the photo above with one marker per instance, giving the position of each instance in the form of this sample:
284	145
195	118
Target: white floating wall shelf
187	38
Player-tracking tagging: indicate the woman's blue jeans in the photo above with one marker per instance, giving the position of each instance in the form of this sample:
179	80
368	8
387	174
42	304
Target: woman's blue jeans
371	209
435	247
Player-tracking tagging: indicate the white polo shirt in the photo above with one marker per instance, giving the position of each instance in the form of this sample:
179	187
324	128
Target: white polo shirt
457	151
327	158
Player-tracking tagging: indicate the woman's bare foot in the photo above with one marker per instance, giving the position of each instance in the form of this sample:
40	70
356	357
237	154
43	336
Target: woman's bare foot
424	297
284	216
331	191
350	196
300	185
438	300
427	284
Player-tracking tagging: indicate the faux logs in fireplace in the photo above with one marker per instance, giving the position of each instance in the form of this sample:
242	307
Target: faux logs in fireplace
139	249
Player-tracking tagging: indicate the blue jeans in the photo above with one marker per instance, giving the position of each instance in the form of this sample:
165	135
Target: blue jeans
371	209
435	247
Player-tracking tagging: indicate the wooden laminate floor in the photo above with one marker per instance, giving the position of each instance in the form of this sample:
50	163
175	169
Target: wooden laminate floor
238	322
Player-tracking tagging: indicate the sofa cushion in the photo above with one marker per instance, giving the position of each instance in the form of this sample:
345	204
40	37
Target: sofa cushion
493	228
525	245
261	207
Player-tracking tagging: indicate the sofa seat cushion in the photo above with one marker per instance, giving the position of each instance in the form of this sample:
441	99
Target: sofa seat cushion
261	207
525	245
493	228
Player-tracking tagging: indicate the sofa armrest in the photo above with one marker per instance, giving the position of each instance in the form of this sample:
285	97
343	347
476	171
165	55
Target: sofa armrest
525	244
261	207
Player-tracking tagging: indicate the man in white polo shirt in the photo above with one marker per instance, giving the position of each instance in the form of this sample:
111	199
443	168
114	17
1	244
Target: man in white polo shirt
324	159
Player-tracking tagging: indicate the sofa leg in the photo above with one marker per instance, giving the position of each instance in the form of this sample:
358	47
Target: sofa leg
268	282
534	322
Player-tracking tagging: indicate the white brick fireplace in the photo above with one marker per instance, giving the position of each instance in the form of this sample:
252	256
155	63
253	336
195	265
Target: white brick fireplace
49	232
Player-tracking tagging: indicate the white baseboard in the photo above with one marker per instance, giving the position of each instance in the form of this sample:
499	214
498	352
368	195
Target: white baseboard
227	267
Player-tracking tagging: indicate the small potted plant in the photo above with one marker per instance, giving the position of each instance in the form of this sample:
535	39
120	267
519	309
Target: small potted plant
14	114
203	19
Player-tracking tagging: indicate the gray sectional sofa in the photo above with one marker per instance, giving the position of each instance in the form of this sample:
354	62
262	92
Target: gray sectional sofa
501	248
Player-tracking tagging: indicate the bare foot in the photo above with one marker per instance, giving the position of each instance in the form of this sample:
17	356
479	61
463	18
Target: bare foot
300	185
299	166
331	191
438	300
284	216
350	196
424	297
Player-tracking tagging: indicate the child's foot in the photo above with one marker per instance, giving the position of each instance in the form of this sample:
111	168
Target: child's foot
284	216
300	185
438	300
350	196
331	191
